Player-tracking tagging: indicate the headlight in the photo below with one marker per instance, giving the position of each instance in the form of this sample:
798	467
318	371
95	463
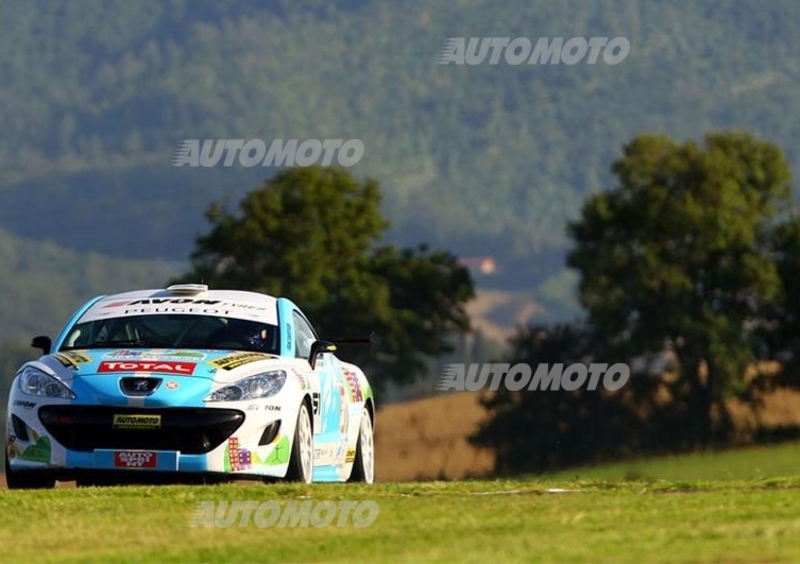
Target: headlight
252	387
34	382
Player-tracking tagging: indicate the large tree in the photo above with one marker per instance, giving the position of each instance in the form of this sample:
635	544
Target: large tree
677	257
314	235
545	430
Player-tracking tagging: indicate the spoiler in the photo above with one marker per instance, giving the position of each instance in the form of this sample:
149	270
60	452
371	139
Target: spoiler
371	340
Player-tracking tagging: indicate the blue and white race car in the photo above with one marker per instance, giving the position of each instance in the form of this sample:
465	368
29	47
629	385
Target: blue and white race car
188	383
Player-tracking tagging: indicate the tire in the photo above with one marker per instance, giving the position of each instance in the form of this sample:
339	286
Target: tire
301	461
30	480
364	463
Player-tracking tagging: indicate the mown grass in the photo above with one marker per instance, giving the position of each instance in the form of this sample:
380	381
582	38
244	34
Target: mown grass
467	521
768	461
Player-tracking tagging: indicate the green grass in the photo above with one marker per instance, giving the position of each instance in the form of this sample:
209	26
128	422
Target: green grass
733	506
769	461
472	521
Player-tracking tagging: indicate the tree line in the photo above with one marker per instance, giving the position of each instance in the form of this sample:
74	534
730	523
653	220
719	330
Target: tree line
688	272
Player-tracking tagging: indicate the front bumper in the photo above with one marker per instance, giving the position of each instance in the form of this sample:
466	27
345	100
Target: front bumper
67	439
188	430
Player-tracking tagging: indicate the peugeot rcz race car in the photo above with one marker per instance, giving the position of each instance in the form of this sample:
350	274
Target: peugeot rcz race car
187	382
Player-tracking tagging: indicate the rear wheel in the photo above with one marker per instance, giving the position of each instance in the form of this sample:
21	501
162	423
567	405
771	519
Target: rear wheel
301	462
364	463
28	480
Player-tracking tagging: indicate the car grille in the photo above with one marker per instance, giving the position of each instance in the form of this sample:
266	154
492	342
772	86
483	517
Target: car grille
188	430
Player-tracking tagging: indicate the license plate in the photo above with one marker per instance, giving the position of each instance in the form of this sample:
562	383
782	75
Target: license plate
136	459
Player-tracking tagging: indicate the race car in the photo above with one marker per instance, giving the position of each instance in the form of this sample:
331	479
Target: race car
188	382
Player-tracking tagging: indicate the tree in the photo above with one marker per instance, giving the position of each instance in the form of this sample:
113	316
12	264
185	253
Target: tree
544	430
678	257
778	331
313	234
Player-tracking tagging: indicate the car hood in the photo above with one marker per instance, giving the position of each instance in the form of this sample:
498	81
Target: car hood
211	364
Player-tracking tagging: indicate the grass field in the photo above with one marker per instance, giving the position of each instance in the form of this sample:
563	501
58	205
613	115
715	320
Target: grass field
769	461
467	521
734	506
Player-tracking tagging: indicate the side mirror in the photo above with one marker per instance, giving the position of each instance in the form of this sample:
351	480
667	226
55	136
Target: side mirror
42	342
317	348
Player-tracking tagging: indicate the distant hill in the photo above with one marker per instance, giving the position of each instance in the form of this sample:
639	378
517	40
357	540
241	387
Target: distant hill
42	283
484	160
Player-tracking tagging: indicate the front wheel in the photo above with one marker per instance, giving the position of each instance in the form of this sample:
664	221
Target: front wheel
30	480
364	463
301	462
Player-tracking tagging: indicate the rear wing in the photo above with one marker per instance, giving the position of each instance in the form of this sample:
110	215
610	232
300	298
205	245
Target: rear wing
371	340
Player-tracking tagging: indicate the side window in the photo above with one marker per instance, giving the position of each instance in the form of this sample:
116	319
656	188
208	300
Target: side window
304	335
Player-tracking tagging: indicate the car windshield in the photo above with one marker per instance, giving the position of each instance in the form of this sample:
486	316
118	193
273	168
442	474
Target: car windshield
174	331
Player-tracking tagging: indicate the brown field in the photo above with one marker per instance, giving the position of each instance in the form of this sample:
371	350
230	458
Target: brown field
427	438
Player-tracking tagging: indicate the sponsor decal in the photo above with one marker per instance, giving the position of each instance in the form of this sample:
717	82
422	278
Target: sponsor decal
328	455
160	301
237	458
272	408
135	459
183	354
232	460
350	456
172	385
124	354
301	378
280	454
137	421
72	359
343	412
315	403
354	386
193	306
289	338
185	301
175	309
39	451
236	360
169	367
155	355
25	404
